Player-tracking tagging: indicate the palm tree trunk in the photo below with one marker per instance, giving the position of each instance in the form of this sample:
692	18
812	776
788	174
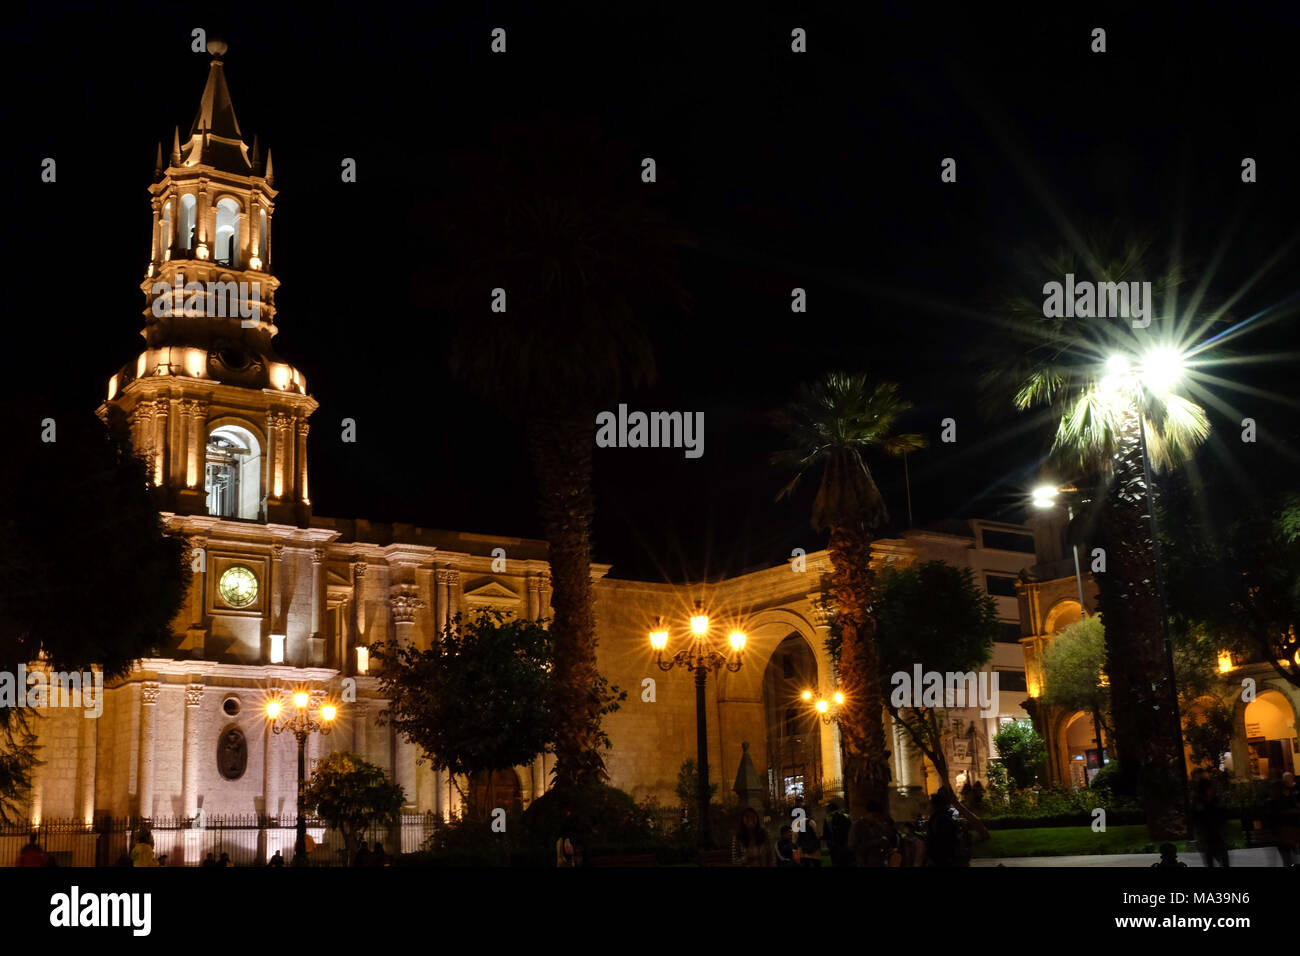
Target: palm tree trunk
561	454
1142	698
866	769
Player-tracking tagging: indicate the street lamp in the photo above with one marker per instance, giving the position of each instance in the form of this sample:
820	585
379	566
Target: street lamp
699	657
1044	496
301	724
826	707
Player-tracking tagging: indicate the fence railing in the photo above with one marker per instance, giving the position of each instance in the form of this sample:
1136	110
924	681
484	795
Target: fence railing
246	840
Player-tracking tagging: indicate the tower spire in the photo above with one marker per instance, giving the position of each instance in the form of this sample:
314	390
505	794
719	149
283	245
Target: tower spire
215	134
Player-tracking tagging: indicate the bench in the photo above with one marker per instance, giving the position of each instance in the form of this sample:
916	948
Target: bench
626	859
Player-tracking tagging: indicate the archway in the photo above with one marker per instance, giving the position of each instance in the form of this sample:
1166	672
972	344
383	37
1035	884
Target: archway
501	789
794	758
1270	736
1083	752
233	473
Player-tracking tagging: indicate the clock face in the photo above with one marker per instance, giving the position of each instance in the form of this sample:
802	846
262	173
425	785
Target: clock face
238	586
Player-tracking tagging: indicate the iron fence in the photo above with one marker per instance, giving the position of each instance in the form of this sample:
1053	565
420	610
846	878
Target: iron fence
245	839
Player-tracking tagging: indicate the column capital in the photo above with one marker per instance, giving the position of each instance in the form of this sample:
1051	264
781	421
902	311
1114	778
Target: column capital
317	555
404	601
149	692
193	695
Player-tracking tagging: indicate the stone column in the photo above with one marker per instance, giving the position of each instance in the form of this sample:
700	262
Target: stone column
301	489
277	598
286	445
404	766
358	617
87	745
272	454
160	441
539	776
454	596
149	691
180	432
153	254
403	603
190	770
534	606
198	443
317	590
441	601
271	767
544	595
360	714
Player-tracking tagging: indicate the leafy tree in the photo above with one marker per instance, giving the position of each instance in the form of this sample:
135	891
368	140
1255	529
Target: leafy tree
1021	751
935	615
1237	582
551	216
1107	391
81	530
350	794
480	699
830	427
688	786
1073	664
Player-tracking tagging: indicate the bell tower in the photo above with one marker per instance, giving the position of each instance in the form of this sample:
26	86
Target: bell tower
219	417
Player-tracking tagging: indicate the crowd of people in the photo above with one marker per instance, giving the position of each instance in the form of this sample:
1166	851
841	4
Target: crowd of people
873	839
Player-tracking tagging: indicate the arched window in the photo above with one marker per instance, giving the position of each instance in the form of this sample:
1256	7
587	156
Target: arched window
233	475
185	237
227	251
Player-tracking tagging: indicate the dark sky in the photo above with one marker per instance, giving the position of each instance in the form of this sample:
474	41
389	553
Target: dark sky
818	170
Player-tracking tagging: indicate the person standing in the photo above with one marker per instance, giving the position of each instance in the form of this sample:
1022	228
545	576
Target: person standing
751	845
1208	818
836	833
142	852
941	832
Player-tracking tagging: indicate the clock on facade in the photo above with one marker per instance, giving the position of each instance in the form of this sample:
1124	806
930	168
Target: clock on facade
238	586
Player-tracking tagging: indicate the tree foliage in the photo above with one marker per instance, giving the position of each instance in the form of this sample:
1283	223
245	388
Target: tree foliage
937	616
480	699
350	794
81	530
1073	664
835	421
1021	751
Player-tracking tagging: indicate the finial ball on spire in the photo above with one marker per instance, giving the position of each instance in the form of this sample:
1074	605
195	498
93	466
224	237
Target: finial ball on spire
217	47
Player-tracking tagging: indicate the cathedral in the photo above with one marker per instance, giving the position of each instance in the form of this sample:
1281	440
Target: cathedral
285	601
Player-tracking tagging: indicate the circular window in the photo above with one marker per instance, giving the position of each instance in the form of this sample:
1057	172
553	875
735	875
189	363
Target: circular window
238	586
231	706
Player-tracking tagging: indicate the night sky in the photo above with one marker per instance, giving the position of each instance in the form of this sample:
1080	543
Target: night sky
818	170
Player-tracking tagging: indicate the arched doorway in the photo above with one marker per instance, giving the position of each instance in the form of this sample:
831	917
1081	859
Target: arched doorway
794	759
500	789
1270	736
1084	754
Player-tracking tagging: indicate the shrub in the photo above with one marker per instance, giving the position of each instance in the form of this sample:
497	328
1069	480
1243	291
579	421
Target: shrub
599	817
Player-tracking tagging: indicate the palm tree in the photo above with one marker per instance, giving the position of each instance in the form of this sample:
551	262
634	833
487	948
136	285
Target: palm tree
830	426
557	218
1110	391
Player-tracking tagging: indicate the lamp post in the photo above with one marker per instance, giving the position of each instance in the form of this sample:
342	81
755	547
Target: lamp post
1044	496
301	724
826	707
699	657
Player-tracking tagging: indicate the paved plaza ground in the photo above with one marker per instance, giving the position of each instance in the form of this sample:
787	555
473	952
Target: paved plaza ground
1257	857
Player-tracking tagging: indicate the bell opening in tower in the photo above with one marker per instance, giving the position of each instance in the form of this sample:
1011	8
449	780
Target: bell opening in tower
233	474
